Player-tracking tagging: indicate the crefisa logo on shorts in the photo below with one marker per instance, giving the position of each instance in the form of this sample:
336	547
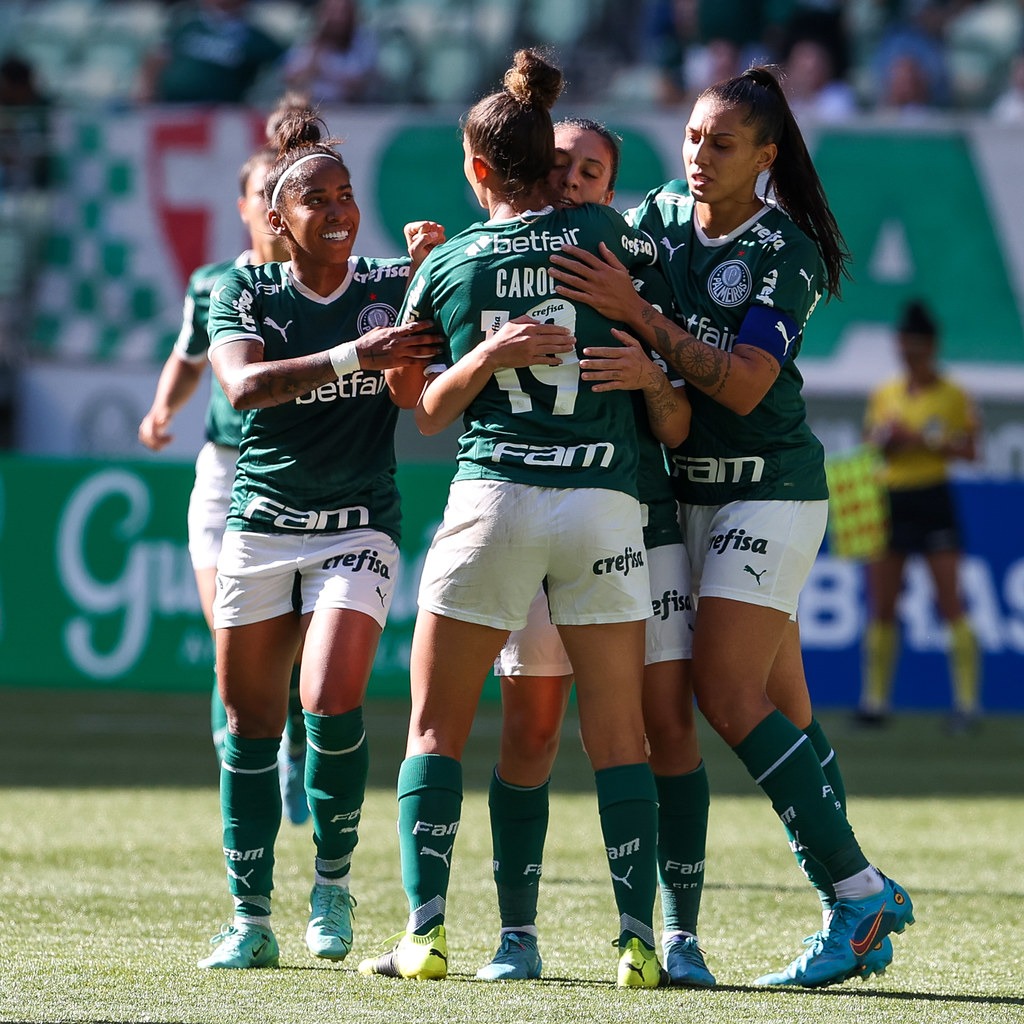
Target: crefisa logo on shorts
730	283
365	561
738	540
629	559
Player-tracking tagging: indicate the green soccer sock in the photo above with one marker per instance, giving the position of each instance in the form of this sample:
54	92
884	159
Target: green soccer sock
781	760
964	666
337	762
429	810
295	724
880	651
218	721
519	826
250	807
627	800
811	867
683	802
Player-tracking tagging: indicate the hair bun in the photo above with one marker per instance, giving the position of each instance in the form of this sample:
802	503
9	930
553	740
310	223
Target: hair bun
533	81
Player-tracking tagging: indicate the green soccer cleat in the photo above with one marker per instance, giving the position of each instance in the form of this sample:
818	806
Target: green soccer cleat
423	957
639	967
329	932
852	942
684	961
247	946
517	959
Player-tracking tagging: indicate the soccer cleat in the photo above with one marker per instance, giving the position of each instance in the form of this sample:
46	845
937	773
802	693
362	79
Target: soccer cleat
851	942
684	961
639	967
329	932
240	947
517	959
423	957
293	787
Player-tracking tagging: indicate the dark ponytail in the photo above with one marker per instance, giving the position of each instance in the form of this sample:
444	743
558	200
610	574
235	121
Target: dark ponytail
295	130
792	177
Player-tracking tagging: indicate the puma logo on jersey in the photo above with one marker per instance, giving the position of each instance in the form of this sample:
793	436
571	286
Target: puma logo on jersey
277	327
781	328
807	277
672	249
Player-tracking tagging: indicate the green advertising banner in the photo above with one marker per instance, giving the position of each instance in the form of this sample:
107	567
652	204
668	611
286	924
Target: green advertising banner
97	590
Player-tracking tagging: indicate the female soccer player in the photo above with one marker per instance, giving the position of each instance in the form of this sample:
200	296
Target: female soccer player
215	465
536	677
310	553
747	271
545	492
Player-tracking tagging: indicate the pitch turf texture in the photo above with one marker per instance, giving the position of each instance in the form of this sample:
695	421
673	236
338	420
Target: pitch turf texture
113	882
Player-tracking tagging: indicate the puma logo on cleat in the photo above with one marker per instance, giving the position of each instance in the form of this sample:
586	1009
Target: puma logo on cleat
638	968
757	575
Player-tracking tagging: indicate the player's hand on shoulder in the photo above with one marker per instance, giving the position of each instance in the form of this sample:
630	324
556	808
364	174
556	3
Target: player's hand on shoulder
526	342
422	236
386	347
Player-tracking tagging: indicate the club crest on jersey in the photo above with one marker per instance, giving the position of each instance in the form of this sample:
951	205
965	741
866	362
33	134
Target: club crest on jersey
377	314
730	283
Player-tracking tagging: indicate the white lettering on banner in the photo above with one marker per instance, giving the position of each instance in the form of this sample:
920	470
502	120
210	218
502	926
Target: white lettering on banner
832	606
156	577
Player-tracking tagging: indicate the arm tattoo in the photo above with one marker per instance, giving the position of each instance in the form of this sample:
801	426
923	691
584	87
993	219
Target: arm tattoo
704	366
661	403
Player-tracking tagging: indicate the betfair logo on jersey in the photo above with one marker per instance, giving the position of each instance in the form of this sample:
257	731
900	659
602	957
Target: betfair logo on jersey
619	565
356	384
266	510
534	241
738	540
555	456
709	470
711	334
381	273
730	283
671	602
638	246
365	561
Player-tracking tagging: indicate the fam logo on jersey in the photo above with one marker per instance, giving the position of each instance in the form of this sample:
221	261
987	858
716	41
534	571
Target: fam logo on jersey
730	283
377	314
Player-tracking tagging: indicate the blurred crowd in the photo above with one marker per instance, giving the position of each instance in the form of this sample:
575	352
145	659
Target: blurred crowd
900	58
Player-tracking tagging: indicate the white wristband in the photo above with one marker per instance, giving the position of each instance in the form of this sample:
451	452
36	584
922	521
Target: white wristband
344	358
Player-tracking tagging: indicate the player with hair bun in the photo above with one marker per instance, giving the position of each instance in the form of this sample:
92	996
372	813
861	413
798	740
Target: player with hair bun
545	493
310	553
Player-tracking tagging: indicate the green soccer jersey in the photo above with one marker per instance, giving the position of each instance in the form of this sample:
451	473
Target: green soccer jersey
661	525
539	425
324	461
771	453
223	424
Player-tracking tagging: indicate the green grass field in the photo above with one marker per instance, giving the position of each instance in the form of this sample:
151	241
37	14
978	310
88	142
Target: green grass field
113	882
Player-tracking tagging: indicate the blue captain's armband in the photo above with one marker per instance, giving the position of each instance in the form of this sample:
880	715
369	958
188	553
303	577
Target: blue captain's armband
768	329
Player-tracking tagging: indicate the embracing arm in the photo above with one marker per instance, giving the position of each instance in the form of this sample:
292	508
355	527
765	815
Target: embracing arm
629	368
251	383
739	380
518	343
